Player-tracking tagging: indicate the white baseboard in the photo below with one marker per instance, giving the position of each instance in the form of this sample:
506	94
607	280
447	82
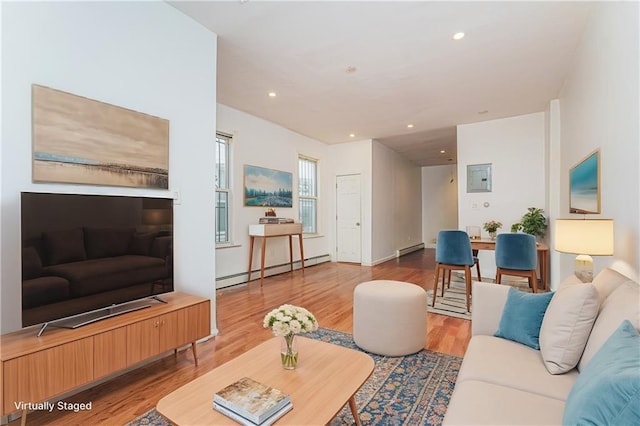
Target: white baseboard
410	249
379	261
241	278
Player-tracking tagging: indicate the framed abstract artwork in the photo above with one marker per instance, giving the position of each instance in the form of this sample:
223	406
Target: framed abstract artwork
584	185
267	187
81	140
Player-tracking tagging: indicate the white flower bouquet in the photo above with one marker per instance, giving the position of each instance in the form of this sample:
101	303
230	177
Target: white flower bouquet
290	320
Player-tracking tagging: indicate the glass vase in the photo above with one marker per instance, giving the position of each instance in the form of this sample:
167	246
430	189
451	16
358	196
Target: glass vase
289	352
492	235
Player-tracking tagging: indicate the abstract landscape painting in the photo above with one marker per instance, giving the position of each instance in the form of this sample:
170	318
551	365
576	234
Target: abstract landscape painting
267	187
80	140
584	191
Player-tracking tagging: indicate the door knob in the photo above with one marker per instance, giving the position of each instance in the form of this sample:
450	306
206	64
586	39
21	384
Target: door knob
357	223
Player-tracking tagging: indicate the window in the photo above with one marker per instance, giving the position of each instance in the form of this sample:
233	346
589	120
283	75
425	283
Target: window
223	189
308	194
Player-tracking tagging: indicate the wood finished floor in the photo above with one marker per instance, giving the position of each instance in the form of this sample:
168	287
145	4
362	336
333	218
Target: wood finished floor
326	290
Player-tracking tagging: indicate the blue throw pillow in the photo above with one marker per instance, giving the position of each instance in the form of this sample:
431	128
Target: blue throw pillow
607	392
522	317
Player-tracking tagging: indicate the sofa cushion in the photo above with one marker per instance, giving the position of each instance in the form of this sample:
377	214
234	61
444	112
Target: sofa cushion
43	291
161	247
141	243
506	363
566	326
481	403
109	273
622	304
488	304
607	281
31	263
522	317
107	242
64	246
608	389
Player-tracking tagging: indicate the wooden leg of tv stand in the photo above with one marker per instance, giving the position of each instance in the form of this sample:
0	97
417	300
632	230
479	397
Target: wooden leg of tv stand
23	418
195	352
193	349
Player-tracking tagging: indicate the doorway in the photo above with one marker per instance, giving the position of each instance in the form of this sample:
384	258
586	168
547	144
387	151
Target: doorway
348	219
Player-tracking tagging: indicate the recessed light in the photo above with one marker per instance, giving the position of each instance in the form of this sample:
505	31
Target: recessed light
410	126
458	36
350	69
272	94
352	135
442	151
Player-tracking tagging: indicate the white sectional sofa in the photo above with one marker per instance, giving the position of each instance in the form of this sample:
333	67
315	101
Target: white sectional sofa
505	382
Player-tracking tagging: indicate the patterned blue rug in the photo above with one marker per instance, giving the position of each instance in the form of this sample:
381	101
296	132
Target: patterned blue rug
407	390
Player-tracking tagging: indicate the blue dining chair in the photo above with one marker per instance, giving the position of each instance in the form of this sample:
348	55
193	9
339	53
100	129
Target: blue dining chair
516	255
453	252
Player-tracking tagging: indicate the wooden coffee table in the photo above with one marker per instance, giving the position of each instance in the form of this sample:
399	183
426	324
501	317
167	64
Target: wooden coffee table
327	377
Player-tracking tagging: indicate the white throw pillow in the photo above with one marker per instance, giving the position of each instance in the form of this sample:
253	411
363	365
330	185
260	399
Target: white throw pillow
566	326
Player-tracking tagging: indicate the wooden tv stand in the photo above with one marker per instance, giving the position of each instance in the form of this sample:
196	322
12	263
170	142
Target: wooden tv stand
37	369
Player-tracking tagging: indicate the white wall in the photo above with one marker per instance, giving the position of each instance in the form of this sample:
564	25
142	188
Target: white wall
1	186
554	190
146	56
396	203
599	109
258	142
349	159
515	147
439	201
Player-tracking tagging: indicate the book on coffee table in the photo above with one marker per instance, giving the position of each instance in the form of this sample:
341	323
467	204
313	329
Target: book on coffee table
246	422
252	400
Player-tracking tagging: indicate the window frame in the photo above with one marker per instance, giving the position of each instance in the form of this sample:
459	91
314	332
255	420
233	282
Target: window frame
228	139
316	191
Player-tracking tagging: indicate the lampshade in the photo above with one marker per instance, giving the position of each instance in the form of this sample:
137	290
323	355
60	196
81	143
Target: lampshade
156	216
584	236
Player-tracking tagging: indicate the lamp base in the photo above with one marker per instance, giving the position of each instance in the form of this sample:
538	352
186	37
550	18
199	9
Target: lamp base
584	268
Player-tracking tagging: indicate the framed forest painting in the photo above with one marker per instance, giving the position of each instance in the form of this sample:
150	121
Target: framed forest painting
267	187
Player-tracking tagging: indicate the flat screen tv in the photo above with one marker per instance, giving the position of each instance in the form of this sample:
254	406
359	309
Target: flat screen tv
88	257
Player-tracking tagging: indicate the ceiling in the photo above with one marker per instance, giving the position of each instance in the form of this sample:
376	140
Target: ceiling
369	69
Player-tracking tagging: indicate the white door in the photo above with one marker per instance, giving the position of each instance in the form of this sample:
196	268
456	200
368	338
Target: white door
349	231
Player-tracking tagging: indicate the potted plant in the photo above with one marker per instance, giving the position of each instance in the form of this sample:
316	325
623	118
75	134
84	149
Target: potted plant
533	222
492	227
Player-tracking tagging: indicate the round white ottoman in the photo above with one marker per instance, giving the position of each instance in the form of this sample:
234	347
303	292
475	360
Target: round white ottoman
390	317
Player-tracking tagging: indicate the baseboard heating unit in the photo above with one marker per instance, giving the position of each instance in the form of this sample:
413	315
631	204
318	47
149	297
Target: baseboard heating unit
409	249
241	278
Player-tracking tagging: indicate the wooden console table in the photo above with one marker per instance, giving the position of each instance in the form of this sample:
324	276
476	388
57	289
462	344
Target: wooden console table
543	257
37	369
274	230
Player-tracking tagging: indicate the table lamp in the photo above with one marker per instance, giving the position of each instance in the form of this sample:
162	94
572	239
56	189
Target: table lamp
158	219
474	232
586	238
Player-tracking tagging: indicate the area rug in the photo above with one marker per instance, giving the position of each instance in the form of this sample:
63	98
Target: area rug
454	302
407	390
